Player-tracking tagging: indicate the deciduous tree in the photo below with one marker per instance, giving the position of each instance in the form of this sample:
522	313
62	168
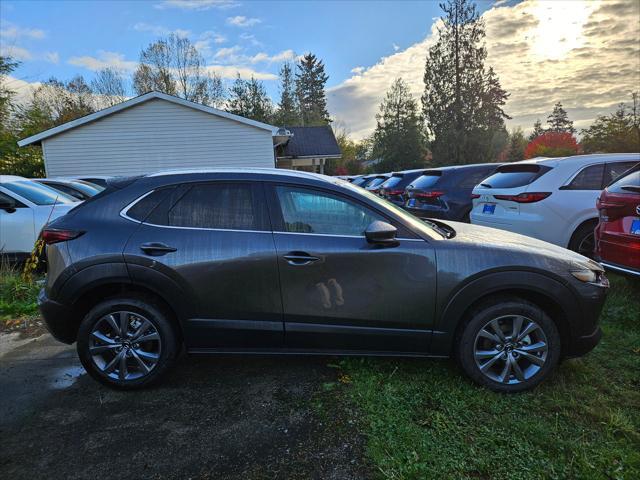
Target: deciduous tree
617	132
109	86
552	144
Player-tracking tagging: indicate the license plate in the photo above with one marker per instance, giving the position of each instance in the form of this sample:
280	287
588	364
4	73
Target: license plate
411	202
635	227
489	209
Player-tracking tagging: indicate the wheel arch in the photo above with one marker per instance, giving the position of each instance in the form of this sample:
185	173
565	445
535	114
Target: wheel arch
549	294
587	221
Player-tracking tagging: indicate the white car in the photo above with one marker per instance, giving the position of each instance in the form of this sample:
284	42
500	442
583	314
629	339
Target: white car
552	199
25	207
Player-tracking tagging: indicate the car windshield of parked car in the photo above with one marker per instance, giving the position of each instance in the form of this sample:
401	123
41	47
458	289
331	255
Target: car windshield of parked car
513	176
38	193
411	220
630	183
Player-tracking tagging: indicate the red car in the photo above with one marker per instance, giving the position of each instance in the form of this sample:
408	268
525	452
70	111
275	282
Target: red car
618	232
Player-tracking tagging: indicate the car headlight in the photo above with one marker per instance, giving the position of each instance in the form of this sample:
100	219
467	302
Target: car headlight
591	272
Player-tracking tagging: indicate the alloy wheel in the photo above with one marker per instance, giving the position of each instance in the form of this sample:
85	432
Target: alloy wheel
586	246
510	349
125	345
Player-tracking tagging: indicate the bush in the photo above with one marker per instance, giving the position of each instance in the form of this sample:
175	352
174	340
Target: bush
552	144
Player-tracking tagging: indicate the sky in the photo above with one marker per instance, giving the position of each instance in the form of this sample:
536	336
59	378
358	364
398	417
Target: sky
584	53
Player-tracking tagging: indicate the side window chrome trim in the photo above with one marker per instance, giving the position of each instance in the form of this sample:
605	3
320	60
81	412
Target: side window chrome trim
340	236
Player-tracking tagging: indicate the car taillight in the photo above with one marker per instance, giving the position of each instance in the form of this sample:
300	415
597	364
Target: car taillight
428	194
474	196
54	235
524	197
394	192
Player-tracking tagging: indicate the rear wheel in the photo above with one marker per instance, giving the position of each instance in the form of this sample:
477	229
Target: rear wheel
126	342
509	345
583	239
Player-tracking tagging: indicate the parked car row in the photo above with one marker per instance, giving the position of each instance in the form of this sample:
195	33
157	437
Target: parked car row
552	199
27	205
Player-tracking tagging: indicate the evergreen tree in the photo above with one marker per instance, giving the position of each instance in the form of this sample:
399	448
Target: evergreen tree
462	103
288	113
399	135
310	84
559	121
517	144
537	130
616	133
249	99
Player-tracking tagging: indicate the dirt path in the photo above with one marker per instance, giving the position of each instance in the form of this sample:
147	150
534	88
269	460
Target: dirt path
244	418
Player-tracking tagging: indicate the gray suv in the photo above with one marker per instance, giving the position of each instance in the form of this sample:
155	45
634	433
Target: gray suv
278	262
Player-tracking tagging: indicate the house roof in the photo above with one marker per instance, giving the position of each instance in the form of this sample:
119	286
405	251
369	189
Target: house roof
310	142
137	101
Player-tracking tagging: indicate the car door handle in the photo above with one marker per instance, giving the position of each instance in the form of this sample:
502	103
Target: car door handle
155	248
300	258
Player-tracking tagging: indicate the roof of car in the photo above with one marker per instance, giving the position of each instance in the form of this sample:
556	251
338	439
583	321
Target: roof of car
579	159
11	178
251	171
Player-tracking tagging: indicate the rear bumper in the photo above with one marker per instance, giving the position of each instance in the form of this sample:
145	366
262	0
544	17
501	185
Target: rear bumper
58	319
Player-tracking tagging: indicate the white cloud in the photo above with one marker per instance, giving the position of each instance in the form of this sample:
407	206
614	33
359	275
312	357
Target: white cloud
357	70
160	30
197	4
242	21
52	57
10	31
17	53
229	54
104	60
283	56
248	37
232	71
396	47
590	65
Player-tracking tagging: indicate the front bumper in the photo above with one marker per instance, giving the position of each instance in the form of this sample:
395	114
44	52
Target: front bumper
585	331
583	345
58	319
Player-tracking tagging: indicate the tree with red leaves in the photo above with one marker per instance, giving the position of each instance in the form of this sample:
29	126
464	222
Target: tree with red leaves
552	144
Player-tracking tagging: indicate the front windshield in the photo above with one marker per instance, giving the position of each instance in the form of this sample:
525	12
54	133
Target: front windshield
38	193
406	216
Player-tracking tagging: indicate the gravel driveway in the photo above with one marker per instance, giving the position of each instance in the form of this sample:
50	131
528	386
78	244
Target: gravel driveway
212	417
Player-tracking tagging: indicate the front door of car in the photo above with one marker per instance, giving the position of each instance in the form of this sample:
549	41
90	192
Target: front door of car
17	232
215	242
341	292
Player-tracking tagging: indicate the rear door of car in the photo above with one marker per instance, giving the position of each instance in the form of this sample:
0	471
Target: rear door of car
17	230
340	292
214	240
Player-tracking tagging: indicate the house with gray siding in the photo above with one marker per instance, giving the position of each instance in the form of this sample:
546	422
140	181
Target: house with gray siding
155	132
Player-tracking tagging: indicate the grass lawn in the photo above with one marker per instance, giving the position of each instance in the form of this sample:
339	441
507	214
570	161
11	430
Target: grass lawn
17	297
423	419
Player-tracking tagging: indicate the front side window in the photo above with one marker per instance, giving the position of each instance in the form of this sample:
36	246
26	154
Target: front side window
589	178
311	211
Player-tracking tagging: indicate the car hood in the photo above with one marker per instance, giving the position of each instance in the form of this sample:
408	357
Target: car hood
514	243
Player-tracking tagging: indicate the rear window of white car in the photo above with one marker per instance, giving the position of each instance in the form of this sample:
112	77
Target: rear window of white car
38	193
513	176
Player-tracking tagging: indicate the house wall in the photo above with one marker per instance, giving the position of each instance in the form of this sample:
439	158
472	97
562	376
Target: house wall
156	135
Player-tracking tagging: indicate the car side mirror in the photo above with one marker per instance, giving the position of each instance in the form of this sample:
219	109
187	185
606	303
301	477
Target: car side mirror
8	204
381	233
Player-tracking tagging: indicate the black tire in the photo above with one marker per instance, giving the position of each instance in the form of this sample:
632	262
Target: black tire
137	308
583	239
502	309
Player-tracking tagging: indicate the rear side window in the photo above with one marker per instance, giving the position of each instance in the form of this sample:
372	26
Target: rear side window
143	207
392	182
512	176
614	169
589	178
215	205
630	183
427	180
470	177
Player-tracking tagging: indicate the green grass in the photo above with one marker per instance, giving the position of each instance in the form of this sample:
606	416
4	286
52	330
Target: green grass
423	419
17	297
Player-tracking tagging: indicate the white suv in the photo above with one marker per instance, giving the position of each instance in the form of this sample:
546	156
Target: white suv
25	207
552	199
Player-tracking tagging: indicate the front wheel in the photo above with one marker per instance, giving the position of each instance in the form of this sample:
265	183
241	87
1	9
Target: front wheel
509	345
126	342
